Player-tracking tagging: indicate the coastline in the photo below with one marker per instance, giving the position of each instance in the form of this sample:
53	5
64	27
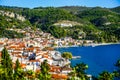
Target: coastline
102	44
95	62
93	45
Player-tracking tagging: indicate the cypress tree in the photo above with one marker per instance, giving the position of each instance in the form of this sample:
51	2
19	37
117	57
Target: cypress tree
18	72
7	65
44	71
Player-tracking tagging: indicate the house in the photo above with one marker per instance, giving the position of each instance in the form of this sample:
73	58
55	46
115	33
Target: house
66	70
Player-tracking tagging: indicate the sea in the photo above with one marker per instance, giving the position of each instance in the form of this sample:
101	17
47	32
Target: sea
98	58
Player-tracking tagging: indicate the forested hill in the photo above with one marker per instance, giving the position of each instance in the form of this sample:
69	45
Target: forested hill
93	23
116	9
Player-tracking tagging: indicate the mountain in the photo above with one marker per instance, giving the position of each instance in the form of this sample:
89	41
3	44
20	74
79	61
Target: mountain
93	23
75	9
116	9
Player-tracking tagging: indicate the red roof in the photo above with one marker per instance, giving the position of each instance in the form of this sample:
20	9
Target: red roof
20	56
55	68
1	43
16	52
34	60
59	76
30	49
0	54
13	46
45	56
23	65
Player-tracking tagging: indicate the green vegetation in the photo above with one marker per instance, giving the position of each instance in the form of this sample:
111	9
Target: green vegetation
105	76
104	20
57	32
8	72
67	55
44	74
80	70
98	24
116	9
117	73
11	34
75	9
6	65
6	23
79	73
18	72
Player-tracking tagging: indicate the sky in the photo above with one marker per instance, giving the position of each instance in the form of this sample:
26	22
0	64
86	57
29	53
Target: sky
57	3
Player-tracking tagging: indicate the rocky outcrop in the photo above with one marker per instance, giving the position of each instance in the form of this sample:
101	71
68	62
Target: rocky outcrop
12	15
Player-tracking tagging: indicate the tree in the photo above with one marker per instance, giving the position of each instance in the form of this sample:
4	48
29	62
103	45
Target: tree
78	72
81	67
67	55
7	65
57	32
17	64
105	76
118	64
30	75
2	72
100	21
44	74
18	72
117	73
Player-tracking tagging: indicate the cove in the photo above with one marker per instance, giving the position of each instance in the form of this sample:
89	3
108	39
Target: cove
98	58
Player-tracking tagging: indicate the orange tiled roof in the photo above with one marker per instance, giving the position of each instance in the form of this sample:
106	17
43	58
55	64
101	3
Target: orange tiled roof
45	56
13	46
19	56
18	49
23	65
1	43
30	49
16	53
0	54
55	68
59	76
34	60
38	49
21	45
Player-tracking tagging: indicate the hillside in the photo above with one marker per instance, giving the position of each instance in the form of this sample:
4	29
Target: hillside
95	23
10	20
75	9
116	9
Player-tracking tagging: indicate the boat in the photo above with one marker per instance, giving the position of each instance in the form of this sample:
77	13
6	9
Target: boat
76	57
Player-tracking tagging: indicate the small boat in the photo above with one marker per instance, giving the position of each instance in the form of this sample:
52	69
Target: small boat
93	45
76	57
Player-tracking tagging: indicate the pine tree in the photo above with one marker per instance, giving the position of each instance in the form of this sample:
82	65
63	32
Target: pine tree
17	66
7	65
44	71
106	76
18	72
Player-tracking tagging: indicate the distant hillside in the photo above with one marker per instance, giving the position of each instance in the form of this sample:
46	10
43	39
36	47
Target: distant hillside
116	9
100	16
75	9
96	23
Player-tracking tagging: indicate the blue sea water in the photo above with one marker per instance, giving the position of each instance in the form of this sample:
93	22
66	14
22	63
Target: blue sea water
99	58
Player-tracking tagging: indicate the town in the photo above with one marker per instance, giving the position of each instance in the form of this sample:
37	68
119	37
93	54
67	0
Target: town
36	47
